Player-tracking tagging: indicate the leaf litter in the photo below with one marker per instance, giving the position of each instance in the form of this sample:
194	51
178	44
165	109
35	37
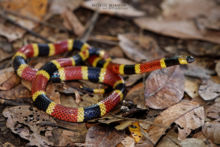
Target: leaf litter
155	101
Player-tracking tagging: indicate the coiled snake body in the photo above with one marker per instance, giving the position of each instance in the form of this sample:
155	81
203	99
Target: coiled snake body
63	69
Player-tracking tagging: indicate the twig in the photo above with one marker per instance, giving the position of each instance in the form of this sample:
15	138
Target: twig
90	25
9	102
35	20
139	120
23	27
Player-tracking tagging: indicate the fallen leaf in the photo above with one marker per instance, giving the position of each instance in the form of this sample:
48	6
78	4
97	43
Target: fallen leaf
34	125
17	92
189	122
217	68
136	95
193	142
139	48
51	91
191	87
10	83
128	142
4	55
179	19
184	29
187	9
113	7
58	7
213	111
164	88
5	74
116	52
135	131
212	131
23	120
31	8
123	125
209	90
71	22
203	48
168	116
98	136
197	71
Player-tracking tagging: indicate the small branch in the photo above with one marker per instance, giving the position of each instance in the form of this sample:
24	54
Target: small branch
89	27
9	102
2	14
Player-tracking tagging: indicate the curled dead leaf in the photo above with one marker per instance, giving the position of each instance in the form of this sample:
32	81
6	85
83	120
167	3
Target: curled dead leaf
164	88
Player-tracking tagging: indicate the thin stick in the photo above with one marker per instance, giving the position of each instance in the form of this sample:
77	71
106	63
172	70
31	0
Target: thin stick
90	25
23	27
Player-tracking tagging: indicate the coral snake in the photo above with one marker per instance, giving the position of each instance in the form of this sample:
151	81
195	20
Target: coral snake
63	69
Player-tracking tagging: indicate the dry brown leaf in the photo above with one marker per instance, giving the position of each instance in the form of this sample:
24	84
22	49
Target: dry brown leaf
10	83
217	68
180	19
197	71
189	142
212	131
113	7
189	122
169	116
213	111
128	142
5	74
188	9
98	136
4	55
51	91
31	8
191	87
23	120
136	95
139	48
209	90
15	93
184	29
58	7
164	88
34	125
203	48
71	22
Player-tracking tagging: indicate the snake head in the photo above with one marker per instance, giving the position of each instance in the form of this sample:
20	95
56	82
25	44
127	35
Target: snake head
186	59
